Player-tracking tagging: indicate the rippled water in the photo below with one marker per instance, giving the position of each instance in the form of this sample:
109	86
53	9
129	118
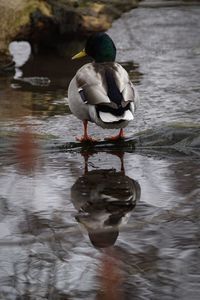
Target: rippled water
105	222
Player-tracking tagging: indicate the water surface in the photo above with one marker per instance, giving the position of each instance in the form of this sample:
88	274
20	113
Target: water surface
104	222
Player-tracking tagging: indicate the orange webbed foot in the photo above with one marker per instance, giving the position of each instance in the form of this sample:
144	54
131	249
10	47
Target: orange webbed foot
86	138
116	138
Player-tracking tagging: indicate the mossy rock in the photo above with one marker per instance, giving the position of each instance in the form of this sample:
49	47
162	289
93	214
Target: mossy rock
15	15
48	23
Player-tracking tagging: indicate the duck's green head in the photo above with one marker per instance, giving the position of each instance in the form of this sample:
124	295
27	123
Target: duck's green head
100	47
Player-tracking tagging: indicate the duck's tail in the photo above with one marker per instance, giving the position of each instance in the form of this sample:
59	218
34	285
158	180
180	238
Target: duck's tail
109	114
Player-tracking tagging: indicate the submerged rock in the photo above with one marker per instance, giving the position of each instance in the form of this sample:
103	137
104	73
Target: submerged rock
48	23
181	138
176	136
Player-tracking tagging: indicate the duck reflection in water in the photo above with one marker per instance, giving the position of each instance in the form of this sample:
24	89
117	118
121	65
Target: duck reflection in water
104	199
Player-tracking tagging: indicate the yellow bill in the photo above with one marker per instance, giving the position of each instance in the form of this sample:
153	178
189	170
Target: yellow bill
80	54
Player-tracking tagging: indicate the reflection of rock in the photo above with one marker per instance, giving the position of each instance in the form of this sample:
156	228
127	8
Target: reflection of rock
47	23
103	199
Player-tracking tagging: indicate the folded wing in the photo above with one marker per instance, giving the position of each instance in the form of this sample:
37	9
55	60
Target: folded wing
107	84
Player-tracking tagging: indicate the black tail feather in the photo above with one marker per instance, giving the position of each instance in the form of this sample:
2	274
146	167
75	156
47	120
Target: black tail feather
116	112
113	91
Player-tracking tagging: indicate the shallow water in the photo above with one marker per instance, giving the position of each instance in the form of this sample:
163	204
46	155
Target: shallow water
109	221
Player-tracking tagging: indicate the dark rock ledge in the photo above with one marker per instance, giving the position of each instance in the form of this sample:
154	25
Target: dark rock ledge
51	25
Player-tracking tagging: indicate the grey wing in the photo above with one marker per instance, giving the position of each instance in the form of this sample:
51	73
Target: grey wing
125	85
93	86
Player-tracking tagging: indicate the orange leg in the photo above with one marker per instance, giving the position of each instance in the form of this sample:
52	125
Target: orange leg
117	137
121	157
85	137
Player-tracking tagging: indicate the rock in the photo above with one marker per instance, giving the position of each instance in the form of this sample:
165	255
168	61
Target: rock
15	18
46	24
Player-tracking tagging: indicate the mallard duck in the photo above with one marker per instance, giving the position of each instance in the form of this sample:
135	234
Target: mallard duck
101	91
